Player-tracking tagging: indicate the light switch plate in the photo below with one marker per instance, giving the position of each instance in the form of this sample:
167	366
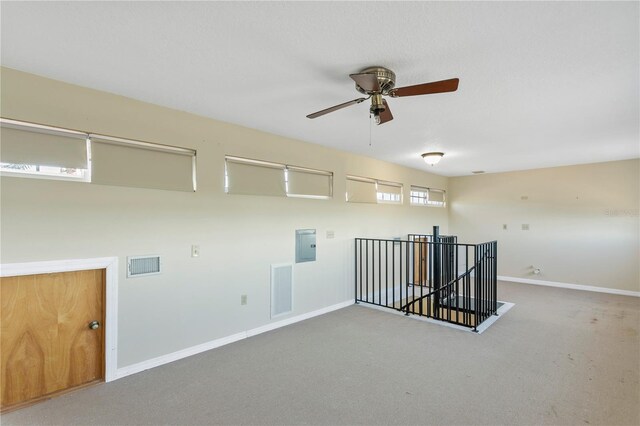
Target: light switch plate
195	251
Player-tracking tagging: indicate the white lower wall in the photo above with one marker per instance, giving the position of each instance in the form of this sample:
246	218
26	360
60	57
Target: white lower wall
194	300
193	350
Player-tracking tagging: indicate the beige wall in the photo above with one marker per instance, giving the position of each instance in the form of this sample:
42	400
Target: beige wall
194	300
584	223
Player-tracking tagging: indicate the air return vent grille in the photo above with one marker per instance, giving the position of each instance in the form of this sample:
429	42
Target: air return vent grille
281	289
138	266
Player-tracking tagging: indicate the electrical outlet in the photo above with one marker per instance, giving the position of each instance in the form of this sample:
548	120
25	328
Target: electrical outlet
195	251
243	299
525	226
504	226
330	235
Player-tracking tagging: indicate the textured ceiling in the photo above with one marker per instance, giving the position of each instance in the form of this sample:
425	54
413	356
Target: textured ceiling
541	84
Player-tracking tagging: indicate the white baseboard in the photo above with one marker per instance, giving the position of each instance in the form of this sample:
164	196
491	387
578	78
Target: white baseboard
193	350
288	321
571	286
174	356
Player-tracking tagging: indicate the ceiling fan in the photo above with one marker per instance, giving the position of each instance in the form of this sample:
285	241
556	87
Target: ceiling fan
380	81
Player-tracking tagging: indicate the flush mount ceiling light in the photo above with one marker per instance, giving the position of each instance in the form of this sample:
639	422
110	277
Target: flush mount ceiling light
432	158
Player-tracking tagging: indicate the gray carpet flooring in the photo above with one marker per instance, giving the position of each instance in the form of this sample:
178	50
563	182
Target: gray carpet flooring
559	356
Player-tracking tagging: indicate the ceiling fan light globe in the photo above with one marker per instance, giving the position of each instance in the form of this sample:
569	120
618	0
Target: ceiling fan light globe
432	158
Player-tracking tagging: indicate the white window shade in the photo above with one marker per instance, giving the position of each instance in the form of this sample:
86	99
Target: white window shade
390	187
255	178
361	190
141	165
305	182
32	145
436	195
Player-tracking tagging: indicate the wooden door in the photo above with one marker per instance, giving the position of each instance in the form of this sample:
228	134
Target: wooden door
47	344
420	259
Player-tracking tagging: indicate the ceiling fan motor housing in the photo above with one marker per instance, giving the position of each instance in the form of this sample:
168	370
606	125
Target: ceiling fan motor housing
386	79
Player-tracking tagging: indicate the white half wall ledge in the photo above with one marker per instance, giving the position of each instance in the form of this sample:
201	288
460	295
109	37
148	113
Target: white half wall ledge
581	287
194	350
506	306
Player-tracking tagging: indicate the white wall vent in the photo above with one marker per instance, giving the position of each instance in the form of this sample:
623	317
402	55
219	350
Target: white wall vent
281	289
138	266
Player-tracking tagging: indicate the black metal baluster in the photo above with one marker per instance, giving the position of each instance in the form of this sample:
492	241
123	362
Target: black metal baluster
457	288
355	269
401	283
477	289
467	288
429	245
495	275
379	273
420	277
360	271
393	273
366	269
407	276
386	273
373	271
436	272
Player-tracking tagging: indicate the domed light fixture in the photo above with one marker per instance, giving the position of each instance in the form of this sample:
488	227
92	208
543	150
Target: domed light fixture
432	158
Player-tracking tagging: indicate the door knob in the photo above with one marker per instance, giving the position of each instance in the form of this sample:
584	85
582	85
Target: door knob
93	325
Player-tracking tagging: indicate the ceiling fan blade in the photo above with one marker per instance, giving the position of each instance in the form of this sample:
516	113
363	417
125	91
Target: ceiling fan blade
369	82
336	107
386	114
426	88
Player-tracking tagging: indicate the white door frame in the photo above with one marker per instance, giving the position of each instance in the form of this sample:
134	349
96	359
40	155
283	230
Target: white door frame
111	308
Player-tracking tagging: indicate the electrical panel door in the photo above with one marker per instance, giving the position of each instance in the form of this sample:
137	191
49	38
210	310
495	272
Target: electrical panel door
305	245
